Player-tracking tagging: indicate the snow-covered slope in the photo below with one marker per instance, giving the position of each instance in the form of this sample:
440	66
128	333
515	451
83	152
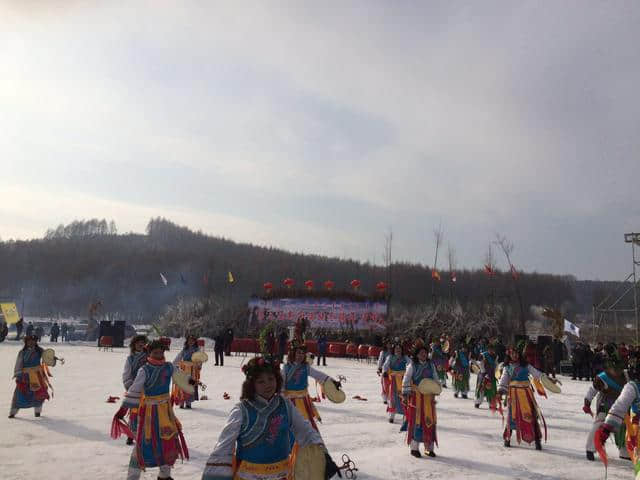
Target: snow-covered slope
71	441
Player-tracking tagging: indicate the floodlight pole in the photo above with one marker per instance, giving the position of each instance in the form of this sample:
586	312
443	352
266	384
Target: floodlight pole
634	238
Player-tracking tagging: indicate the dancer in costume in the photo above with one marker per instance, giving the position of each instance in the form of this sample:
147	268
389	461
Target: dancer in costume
256	443
31	376
183	361
524	413
460	369
393	371
421	417
296	373
486	385
440	359
136	359
159	439
606	388
618	415
384	354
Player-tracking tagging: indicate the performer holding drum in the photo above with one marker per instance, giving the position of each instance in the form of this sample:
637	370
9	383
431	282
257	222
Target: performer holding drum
256	443
189	360
136	359
420	384
32	376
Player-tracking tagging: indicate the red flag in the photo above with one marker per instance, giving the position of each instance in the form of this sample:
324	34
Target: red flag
435	275
488	269
514	273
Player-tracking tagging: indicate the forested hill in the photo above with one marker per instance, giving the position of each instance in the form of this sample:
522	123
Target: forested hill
86	262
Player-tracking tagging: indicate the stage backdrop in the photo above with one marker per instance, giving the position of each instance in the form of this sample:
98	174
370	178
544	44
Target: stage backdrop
334	314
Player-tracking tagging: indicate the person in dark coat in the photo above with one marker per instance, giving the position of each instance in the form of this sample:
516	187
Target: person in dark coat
228	340
218	348
65	332
39	332
4	331
29	331
19	327
283	338
54	332
322	349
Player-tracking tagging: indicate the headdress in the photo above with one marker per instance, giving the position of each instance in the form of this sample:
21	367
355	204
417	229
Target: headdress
258	365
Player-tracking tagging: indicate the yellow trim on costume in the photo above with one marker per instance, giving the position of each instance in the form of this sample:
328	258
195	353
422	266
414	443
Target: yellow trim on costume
281	467
296	393
519	384
34	379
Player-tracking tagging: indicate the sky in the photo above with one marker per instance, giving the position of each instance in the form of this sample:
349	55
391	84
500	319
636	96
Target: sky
319	126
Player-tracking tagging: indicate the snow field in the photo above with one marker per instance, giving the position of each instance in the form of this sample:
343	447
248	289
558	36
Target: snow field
71	440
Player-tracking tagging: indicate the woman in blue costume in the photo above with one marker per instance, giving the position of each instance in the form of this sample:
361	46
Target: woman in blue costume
486	384
393	371
421	415
384	354
31	378
256	442
460	370
296	373
136	359
159	439
524	415
184	363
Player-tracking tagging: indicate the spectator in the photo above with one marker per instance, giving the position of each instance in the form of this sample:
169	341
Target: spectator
19	327
598	361
54	332
228	340
271	343
282	344
218	348
65	332
4	331
558	354
39	332
29	331
322	348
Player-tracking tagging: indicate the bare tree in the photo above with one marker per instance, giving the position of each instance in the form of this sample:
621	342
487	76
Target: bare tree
507	248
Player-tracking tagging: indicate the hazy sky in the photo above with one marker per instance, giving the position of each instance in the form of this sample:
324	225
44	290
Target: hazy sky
315	126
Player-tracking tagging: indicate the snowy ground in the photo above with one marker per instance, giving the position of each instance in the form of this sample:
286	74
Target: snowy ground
71	441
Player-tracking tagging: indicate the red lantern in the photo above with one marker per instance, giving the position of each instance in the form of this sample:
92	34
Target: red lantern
329	285
355	284
268	286
381	286
289	282
309	284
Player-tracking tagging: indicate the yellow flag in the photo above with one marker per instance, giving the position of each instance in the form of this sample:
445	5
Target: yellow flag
10	312
230	277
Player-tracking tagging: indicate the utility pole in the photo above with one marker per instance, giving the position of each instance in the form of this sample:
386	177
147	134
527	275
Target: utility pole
633	239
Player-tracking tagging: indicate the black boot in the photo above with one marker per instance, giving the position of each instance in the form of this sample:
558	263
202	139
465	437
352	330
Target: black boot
37	414
431	453
129	441
538	445
12	415
590	456
507	442
464	395
416	453
390	420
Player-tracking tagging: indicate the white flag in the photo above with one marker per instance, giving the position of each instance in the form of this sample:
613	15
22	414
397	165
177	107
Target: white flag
571	328
164	279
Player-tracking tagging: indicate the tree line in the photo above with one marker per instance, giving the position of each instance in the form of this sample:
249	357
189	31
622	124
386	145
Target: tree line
74	266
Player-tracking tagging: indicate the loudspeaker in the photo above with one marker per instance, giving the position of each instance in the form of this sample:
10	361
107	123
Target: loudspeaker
114	330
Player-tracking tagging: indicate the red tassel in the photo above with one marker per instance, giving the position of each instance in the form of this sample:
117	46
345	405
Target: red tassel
599	444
